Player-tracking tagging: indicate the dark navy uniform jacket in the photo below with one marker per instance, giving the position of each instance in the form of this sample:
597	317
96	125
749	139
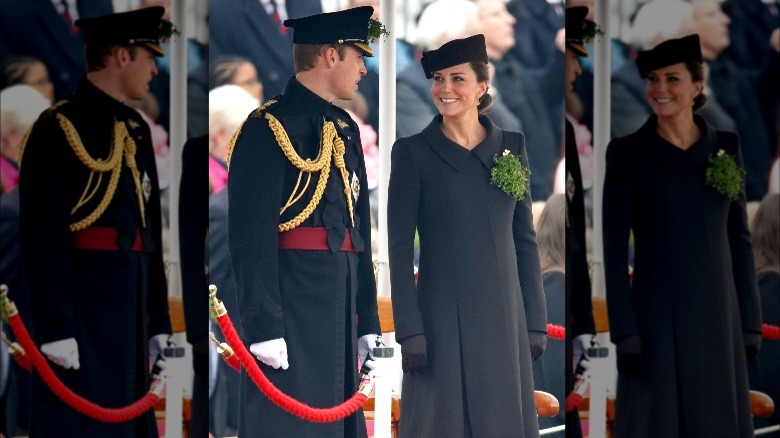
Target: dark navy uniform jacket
309	298
111	302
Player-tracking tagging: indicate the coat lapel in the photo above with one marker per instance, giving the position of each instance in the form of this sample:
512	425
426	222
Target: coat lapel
452	153
51	22
266	31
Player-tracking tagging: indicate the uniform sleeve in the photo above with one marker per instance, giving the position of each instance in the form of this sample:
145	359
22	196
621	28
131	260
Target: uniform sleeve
255	184
367	313
44	217
742	260
617	210
528	265
402	205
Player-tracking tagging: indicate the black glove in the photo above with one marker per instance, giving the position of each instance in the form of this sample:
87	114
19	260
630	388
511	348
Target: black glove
538	341
629	354
414	353
752	344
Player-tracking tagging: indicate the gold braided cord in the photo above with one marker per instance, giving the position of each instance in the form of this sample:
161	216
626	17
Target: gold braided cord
232	143
293	198
122	141
323	159
338	156
101	208
86	197
95	165
130	150
307	165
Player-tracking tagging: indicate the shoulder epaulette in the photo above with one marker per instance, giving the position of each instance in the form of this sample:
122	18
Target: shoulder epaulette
258	112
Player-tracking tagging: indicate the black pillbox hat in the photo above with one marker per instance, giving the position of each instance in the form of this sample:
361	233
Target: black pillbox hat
575	29
460	51
141	26
669	52
349	26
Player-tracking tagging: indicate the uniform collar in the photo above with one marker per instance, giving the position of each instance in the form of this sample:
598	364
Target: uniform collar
308	99
95	96
454	154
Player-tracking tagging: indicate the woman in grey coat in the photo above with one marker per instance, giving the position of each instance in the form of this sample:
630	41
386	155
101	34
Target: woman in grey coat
684	325
470	327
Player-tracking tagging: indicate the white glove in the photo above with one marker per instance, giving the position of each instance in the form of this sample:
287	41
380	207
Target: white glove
580	346
366	345
64	353
157	346
371	365
272	353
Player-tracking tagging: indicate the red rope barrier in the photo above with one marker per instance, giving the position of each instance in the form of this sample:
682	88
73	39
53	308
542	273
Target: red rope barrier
284	401
771	332
556	331
75	401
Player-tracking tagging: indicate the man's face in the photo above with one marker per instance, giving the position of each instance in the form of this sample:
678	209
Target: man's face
712	25
138	72
572	68
347	73
497	26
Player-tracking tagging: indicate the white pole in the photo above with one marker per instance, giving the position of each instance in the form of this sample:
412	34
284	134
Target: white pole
601	136
178	129
386	136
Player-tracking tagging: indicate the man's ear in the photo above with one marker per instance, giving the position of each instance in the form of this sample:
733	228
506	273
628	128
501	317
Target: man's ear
121	56
331	55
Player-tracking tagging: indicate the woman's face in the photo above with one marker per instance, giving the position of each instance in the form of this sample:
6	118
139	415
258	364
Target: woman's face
246	78
671	90
456	91
38	77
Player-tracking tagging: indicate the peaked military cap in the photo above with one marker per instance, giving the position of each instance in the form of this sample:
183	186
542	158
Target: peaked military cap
575	29
349	26
460	51
685	49
141	26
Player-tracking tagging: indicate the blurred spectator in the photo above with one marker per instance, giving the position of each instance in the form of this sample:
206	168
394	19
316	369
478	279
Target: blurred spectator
764	370
549	371
535	96
656	21
26	70
537	40
21	105
739	92
229	106
236	70
247	28
44	29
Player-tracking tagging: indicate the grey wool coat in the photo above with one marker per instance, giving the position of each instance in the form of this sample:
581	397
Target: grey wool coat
693	293
479	290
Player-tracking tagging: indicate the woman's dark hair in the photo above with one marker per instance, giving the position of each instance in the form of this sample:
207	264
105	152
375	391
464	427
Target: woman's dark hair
223	70
765	234
697	75
15	69
483	75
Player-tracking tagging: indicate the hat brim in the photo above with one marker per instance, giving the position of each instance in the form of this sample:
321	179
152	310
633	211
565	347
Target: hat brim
578	47
155	48
363	48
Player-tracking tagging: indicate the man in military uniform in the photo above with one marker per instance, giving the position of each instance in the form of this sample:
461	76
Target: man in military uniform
580	328
300	233
91	233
